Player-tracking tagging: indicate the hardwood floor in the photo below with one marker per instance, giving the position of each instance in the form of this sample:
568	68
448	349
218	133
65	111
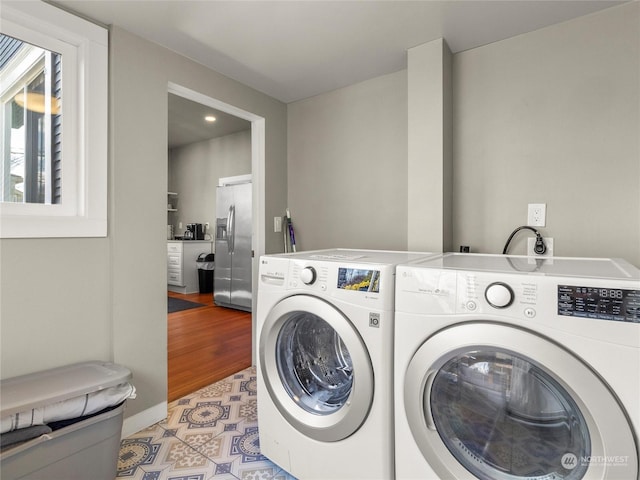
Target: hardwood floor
205	344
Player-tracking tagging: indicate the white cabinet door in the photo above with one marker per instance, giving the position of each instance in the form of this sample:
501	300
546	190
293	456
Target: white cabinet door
182	268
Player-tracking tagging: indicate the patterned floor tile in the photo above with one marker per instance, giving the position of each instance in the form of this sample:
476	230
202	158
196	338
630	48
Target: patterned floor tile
140	450
248	411
211	434
159	455
282	475
255	472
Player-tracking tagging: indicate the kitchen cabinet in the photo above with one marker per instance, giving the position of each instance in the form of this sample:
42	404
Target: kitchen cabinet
182	269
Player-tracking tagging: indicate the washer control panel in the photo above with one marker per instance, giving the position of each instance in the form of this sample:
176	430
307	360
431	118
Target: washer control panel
316	276
308	275
359	283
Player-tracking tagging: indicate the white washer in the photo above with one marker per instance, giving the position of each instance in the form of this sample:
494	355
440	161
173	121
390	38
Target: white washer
514	368
325	353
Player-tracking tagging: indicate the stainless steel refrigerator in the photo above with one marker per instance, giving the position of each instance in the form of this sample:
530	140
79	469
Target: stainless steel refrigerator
233	254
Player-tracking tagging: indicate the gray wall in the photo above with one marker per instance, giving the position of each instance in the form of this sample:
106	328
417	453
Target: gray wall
429	142
55	303
552	117
547	117
348	166
194	171
140	73
71	300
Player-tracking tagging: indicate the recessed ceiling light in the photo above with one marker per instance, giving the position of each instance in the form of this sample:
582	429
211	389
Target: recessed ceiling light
210	118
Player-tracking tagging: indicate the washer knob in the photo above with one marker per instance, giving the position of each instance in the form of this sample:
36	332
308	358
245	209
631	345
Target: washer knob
499	295
308	275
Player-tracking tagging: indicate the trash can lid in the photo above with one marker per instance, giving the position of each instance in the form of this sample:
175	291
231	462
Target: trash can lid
38	389
205	257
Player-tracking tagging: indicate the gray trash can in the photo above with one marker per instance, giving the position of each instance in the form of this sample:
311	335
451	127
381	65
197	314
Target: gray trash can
78	447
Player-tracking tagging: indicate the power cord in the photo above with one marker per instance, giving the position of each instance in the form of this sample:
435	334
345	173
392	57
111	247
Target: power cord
539	248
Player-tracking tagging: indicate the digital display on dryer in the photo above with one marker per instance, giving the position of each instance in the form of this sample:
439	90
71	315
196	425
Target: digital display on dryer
616	304
360	280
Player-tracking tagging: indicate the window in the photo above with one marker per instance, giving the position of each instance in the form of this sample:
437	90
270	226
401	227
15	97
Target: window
53	123
31	123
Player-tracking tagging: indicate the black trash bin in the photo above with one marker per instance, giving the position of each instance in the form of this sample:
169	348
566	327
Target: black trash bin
205	272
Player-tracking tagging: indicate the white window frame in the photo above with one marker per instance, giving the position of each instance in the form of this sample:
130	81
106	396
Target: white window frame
84	49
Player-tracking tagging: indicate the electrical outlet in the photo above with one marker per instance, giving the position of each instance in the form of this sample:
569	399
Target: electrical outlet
537	215
277	224
531	242
206	227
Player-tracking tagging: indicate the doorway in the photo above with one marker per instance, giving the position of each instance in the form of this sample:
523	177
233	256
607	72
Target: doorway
205	344
257	162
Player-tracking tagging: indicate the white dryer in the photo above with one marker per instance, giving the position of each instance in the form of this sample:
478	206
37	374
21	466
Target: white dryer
325	353
514	368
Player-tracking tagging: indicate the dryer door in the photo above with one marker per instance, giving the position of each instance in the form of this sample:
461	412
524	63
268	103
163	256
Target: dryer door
502	403
316	368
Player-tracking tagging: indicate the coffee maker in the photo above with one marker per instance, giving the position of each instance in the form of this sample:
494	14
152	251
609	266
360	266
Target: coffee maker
194	232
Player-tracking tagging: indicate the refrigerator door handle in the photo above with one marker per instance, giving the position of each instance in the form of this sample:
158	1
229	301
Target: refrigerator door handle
230	228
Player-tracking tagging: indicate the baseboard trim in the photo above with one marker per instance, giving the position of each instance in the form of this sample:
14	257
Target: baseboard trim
144	419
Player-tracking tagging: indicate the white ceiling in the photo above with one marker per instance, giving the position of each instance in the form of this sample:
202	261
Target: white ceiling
187	124
292	50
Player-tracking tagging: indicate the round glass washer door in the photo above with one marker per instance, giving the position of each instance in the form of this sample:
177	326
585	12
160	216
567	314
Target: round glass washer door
316	368
478	405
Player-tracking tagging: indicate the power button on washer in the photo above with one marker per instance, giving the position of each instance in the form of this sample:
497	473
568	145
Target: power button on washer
529	312
471	305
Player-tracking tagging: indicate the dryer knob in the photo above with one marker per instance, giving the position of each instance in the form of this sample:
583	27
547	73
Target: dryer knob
308	275
499	295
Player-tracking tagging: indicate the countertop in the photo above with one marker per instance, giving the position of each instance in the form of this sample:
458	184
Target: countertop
190	241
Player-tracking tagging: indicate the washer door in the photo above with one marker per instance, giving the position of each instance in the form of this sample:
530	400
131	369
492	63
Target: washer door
316	368
495	402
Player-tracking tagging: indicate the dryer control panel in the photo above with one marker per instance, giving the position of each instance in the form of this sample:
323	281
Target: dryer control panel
527	297
616	304
499	295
